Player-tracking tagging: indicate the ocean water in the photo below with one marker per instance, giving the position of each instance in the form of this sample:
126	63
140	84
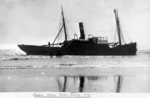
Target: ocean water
109	74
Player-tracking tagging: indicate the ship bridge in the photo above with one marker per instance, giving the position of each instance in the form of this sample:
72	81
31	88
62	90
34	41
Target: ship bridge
98	40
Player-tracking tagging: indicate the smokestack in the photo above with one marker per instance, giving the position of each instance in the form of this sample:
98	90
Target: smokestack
82	36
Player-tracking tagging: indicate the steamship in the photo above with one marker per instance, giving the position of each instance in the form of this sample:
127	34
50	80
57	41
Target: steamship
82	46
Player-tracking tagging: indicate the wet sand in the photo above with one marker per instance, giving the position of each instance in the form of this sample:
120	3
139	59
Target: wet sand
68	79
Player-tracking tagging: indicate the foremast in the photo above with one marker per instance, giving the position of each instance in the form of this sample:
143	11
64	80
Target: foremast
63	20
63	26
118	26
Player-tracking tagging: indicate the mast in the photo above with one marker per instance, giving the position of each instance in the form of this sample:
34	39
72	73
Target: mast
63	20
118	25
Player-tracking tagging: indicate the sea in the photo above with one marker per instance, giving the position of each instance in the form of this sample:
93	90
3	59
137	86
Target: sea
103	74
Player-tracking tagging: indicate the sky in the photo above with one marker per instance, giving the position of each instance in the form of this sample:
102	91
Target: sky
36	22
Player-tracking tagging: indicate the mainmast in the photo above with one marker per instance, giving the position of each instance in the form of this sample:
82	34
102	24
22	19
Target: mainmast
63	20
118	25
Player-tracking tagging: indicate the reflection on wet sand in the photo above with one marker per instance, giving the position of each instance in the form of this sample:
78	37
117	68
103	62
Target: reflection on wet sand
81	87
65	82
62	85
104	83
119	82
82	82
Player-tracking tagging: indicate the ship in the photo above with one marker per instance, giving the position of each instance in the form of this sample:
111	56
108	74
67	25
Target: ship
81	46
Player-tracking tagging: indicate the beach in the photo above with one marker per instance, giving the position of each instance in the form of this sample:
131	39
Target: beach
89	79
102	74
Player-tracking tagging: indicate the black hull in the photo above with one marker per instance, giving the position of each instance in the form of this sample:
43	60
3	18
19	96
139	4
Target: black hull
80	49
39	50
83	48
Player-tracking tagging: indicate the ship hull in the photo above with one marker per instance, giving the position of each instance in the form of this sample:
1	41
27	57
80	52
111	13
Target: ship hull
85	48
39	50
80	49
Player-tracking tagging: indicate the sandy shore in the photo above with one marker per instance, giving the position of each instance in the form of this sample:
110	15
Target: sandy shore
74	71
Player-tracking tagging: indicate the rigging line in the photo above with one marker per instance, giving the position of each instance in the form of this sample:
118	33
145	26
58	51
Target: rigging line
129	38
121	34
122	38
57	27
57	35
115	36
71	29
68	28
125	34
60	30
52	35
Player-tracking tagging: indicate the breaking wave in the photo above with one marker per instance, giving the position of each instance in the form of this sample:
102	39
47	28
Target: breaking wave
12	59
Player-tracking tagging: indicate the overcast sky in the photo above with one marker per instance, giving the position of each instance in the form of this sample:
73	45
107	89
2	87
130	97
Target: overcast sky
36	21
